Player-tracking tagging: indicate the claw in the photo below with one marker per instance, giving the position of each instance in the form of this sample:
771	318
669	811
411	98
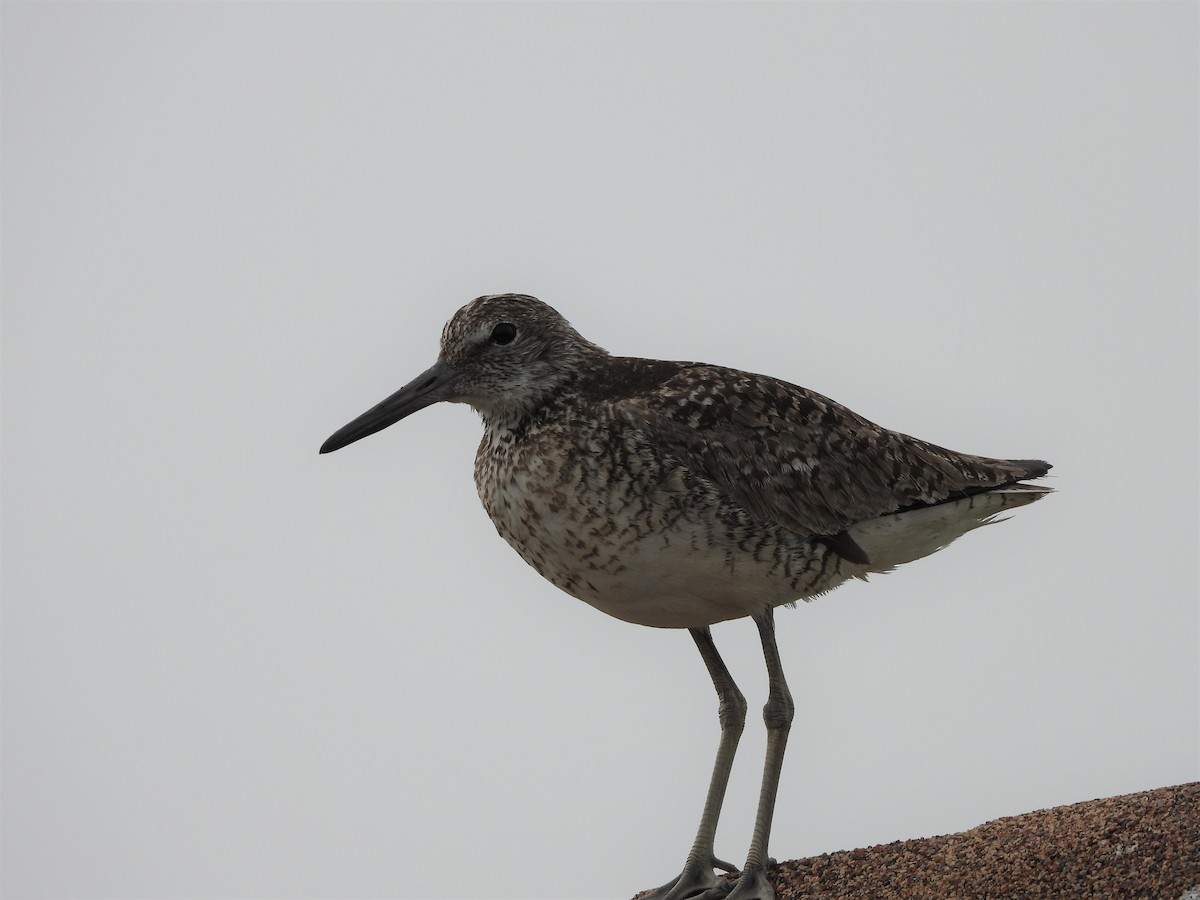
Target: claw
753	885
696	882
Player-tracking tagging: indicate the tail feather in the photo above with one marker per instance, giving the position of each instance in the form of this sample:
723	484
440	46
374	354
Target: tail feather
902	537
1034	468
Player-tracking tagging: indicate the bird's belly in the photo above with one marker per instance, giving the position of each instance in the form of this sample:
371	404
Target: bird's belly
664	559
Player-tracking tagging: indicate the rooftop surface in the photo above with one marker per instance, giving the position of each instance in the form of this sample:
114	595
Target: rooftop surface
1143	845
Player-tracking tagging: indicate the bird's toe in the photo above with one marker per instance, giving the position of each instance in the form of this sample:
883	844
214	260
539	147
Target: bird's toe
697	881
752	885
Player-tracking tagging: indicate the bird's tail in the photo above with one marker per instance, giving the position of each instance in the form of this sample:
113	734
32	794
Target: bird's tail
893	540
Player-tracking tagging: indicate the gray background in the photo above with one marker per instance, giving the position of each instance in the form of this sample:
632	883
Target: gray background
232	668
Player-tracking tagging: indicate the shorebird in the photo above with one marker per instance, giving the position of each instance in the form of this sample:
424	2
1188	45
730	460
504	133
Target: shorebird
680	495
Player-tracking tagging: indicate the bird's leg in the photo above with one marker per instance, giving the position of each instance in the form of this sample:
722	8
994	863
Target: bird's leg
697	876
777	714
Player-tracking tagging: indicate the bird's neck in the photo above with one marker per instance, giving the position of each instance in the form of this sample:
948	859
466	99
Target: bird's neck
553	386
516	416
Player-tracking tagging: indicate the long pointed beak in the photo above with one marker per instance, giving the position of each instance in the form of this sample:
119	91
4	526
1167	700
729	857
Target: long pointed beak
424	390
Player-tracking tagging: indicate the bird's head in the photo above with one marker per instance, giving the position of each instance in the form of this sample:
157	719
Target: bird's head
503	354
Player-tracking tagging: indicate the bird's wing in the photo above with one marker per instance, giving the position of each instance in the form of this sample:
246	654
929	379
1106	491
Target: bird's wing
788	455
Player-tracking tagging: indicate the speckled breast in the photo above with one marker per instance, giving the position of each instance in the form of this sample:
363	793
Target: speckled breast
628	530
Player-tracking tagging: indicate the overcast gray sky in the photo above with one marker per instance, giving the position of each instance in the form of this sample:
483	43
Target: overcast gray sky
233	668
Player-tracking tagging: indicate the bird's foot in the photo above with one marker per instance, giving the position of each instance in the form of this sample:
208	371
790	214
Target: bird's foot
697	881
753	885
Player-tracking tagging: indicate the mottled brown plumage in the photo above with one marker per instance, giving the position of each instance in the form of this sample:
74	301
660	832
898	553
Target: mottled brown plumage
679	494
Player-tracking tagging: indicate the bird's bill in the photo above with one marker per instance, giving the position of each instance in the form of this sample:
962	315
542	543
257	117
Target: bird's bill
424	390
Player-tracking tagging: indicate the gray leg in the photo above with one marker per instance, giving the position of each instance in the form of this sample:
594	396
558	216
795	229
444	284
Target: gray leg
777	714
697	876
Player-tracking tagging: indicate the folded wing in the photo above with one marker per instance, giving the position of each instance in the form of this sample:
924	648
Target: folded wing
791	456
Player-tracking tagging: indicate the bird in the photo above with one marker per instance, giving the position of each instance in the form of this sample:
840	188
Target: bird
679	495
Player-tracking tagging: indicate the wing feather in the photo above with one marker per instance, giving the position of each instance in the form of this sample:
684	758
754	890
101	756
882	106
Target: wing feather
791	456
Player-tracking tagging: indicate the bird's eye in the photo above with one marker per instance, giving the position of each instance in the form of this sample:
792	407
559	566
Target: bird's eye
504	333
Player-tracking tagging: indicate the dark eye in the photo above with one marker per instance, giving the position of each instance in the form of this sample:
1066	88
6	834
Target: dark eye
504	333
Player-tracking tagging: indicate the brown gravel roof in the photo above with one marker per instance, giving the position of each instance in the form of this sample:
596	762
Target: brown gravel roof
1144	845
